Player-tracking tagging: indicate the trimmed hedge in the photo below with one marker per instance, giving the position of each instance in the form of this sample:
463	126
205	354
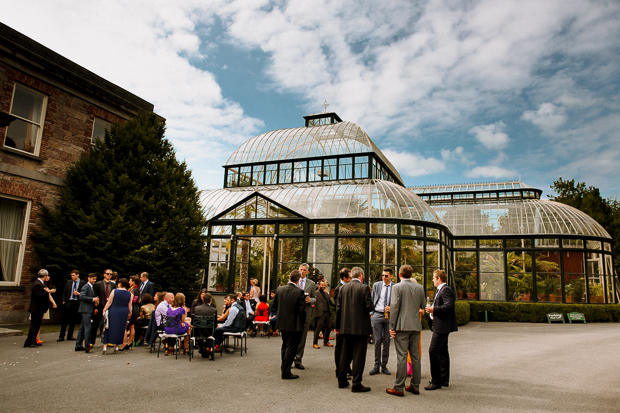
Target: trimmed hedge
537	312
463	311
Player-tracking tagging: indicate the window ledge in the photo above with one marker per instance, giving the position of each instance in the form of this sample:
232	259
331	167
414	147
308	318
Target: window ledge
21	153
11	288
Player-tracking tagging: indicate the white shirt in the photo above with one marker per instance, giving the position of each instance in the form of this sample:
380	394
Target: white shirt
385	290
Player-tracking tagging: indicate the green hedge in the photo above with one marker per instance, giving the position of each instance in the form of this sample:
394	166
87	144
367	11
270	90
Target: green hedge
462	312
537	312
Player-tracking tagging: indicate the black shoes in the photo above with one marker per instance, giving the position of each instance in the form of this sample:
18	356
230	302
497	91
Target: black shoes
60	339
290	377
30	345
343	385
432	386
299	366
71	339
80	348
360	389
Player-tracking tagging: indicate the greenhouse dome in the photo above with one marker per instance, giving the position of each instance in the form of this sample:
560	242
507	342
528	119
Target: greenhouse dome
324	195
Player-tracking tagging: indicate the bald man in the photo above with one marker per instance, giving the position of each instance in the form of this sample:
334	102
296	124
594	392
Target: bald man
162	308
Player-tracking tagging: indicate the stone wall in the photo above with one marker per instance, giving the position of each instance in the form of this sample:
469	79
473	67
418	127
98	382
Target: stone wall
66	136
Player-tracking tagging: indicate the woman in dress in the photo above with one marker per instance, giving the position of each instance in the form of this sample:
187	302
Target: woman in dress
178	310
119	310
254	290
198	301
135	309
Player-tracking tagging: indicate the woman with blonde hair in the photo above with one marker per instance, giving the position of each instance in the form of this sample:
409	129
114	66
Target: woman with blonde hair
178	311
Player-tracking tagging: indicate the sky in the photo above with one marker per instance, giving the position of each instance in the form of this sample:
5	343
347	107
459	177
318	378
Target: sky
450	91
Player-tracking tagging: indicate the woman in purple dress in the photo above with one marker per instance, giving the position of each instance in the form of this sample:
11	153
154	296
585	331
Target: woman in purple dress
119	310
178	311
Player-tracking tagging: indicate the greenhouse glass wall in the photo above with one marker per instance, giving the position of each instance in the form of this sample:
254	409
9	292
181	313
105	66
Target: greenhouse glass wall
509	245
325	195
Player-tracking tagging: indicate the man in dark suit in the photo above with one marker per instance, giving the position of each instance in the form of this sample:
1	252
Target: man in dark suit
309	288
103	289
406	307
381	295
146	287
70	302
290	305
39	304
443	315
88	303
345	278
322	315
353	322
205	310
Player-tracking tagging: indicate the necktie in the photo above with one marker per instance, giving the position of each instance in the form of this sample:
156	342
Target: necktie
106	290
73	290
386	299
301	284
142	287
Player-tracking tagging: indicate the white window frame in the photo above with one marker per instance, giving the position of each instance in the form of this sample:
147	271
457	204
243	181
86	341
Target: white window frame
22	248
92	135
37	145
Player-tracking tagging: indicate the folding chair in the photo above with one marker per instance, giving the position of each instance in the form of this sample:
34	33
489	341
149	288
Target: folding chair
241	335
203	329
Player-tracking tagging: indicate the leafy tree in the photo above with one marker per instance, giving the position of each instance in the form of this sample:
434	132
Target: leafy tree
588	199
130	206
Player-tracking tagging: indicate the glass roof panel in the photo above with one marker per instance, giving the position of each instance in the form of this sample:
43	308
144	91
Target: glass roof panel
527	217
340	138
430	189
353	199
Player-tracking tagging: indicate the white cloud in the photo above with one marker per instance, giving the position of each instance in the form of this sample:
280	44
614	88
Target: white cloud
412	164
548	117
491	171
491	136
145	48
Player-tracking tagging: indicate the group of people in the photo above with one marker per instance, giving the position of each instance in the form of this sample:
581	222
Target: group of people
391	312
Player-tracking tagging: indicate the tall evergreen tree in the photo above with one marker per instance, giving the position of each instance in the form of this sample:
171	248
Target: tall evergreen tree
588	199
130	206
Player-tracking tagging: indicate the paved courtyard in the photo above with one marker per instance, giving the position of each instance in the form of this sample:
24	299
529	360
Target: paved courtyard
496	367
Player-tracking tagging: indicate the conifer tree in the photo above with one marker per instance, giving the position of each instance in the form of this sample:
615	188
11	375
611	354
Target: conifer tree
130	206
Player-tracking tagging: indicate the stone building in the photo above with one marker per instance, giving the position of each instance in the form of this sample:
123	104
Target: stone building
51	110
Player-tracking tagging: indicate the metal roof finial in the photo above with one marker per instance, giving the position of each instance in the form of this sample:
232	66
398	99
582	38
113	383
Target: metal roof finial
325	105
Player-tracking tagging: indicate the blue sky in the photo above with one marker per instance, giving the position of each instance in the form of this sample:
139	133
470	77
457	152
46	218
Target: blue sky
451	91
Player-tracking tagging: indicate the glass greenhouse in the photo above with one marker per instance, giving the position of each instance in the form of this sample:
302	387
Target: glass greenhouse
324	194
510	245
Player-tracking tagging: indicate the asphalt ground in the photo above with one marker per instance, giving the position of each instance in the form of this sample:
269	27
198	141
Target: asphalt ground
496	367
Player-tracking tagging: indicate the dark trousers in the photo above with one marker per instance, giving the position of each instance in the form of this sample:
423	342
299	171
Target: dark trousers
338	353
324	325
354	350
439	358
249	322
35	326
96	323
290	343
85	329
70	316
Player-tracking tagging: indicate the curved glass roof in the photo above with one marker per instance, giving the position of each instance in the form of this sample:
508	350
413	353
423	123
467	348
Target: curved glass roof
527	217
340	138
366	198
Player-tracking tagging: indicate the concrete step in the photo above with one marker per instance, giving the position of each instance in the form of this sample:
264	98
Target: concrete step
7	332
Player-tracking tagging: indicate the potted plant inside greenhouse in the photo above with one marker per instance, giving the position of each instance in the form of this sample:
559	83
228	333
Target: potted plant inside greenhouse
221	278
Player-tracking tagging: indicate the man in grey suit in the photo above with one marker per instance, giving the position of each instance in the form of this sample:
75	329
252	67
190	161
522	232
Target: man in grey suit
146	287
406	306
381	295
88	301
309	288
